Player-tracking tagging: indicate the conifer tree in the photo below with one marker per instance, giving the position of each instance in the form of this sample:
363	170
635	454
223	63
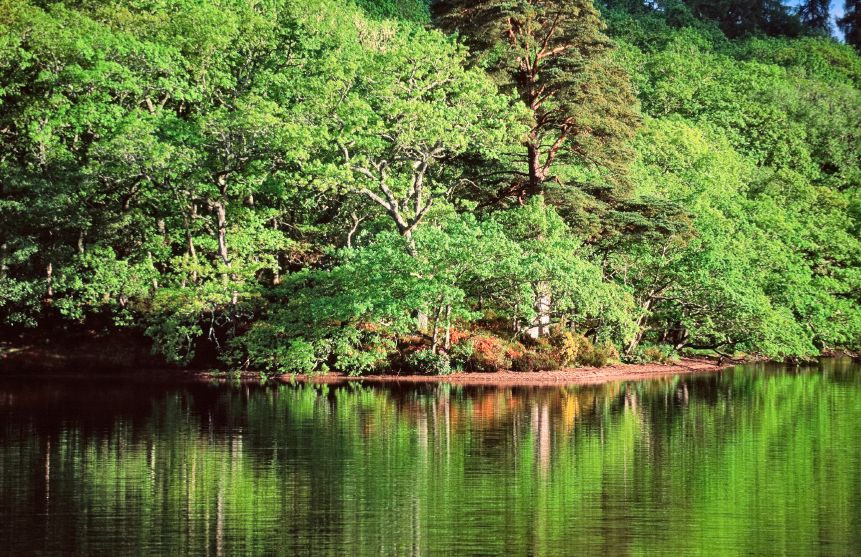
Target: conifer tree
815	15
850	23
555	56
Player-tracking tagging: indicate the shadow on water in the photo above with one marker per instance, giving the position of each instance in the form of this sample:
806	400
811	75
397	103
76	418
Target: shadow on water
759	460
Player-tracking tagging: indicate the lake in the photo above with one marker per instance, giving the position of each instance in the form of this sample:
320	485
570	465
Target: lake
757	460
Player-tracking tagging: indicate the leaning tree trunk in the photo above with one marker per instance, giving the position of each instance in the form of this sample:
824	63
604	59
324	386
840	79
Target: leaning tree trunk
638	337
435	334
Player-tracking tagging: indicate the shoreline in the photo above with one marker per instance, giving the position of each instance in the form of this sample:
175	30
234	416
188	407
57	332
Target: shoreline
560	377
37	363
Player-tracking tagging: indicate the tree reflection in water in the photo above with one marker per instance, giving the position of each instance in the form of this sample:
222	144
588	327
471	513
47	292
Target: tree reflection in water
753	461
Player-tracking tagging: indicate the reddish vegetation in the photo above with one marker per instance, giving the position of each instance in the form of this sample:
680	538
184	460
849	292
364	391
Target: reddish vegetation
490	354
458	335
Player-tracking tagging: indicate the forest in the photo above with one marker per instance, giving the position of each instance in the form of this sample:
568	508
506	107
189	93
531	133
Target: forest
382	185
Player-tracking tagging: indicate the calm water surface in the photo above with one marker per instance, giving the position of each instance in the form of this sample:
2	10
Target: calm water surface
754	461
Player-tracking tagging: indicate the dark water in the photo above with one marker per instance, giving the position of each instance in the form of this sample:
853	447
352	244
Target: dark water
754	461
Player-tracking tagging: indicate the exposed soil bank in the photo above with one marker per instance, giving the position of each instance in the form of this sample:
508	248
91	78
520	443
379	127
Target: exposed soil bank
568	376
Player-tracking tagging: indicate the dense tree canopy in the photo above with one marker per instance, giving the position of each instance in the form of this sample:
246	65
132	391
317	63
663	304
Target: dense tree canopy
297	186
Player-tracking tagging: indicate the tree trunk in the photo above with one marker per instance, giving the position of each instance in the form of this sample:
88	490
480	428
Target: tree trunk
638	337
152	264
681	339
276	272
49	279
221	222
411	243
536	187
543	302
448	327
356	222
421	316
536	170
189	244
162	229
435	335
640	321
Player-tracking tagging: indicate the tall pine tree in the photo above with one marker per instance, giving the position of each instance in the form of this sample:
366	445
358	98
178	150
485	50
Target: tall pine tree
850	23
556	57
815	16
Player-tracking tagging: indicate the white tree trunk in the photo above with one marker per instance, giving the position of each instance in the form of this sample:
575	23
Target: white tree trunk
543	303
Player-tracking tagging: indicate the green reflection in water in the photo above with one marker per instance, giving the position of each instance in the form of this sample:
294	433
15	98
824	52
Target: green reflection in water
756	461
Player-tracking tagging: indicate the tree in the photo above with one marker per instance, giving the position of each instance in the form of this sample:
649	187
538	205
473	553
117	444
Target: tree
410	105
296	185
850	23
710	286
554	55
352	316
771	100
557	59
816	16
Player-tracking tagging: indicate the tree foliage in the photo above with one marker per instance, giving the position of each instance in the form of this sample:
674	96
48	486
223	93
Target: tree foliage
557	58
301	186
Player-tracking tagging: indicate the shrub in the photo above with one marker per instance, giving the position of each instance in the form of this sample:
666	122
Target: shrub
600	356
535	361
574	349
361	352
661	354
458	336
460	354
570	348
514	350
428	362
540	344
489	354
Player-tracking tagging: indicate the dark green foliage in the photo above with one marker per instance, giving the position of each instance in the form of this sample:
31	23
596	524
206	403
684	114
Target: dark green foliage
428	362
600	356
658	354
816	16
743	17
410	10
460	354
850	23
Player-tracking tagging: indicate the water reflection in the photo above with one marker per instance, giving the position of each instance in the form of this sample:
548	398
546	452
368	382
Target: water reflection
757	461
